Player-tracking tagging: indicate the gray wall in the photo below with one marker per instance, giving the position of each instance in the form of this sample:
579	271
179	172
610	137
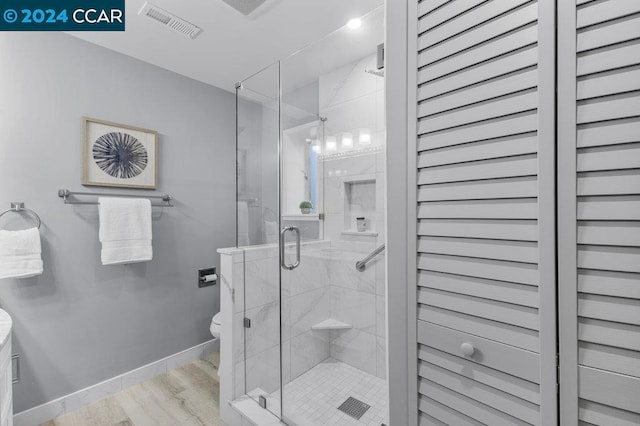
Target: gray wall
81	322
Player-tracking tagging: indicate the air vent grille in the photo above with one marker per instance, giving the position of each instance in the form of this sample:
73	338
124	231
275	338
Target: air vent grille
179	25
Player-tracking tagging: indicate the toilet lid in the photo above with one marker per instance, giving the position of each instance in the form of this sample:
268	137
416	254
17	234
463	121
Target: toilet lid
217	319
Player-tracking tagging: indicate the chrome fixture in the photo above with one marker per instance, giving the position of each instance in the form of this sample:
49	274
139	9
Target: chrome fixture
17	207
283	261
379	73
207	277
361	265
65	194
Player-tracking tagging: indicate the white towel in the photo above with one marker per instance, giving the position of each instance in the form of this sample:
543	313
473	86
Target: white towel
20	254
125	230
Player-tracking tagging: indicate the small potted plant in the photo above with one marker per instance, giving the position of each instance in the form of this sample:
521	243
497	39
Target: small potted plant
305	207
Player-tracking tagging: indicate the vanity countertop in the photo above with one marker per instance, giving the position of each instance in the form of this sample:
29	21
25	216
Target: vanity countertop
5	327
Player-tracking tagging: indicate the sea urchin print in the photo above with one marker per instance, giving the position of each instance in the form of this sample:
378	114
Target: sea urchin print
120	155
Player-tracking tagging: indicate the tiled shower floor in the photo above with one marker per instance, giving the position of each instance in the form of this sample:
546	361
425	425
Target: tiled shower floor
314	397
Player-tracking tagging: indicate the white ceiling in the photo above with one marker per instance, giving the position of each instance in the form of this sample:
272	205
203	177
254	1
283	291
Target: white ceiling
232	46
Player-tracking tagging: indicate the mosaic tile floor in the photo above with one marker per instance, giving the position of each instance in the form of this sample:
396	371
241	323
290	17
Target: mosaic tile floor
313	398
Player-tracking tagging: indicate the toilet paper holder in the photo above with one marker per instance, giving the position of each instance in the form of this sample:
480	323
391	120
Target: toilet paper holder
207	277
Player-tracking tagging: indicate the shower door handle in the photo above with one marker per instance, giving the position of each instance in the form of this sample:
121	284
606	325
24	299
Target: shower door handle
283	261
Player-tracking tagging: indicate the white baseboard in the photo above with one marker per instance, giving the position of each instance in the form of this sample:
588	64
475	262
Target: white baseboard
66	404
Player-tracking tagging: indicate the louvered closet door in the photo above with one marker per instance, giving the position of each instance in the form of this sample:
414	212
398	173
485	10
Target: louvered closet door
485	252
599	212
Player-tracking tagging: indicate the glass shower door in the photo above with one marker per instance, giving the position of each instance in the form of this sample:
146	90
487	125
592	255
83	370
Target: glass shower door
304	277
258	318
333	157
311	176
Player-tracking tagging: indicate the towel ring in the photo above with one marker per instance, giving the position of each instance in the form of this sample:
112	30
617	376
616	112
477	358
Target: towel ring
19	207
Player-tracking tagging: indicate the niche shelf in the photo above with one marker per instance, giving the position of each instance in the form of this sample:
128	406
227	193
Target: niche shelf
311	217
331	324
359	201
359	234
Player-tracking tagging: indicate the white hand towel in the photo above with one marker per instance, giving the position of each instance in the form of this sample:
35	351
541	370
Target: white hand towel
125	230
20	254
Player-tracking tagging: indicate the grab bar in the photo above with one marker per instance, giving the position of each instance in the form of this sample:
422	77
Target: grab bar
361	265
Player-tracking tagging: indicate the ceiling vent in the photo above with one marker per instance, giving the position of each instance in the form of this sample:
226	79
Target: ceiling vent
185	28
244	6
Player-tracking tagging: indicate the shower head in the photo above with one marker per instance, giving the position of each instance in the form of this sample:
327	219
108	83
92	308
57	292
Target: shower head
379	73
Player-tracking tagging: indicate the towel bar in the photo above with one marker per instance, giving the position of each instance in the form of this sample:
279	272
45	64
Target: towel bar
19	207
65	194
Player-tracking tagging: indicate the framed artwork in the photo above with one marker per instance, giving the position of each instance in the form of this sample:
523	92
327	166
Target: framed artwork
118	155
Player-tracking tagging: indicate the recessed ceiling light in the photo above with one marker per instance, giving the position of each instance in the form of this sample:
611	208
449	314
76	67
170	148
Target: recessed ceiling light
354	23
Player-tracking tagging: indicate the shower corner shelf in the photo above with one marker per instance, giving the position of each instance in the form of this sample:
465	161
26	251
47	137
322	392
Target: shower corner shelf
331	324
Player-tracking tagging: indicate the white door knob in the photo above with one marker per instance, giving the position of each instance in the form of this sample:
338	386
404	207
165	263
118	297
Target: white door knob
467	349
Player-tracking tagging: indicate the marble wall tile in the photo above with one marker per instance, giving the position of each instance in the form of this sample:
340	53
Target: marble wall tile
360	202
380	219
381	162
351	116
354	307
256	252
381	119
355	165
355	348
354	246
347	82
286	361
312	273
333	195
264	332
263	370
360	238
238	336
308	309
380	268
380	197
237	284
285	319
308	350
261	282
381	317
333	226
343	272
239	388
381	357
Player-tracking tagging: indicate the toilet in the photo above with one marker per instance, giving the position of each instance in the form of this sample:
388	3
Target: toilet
216	325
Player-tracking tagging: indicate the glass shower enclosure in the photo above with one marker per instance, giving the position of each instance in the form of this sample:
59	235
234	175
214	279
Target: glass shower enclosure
311	202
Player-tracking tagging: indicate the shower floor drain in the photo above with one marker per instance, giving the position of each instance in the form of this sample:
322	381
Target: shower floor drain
354	407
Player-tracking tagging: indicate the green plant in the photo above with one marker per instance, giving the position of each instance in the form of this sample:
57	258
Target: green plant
306	205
